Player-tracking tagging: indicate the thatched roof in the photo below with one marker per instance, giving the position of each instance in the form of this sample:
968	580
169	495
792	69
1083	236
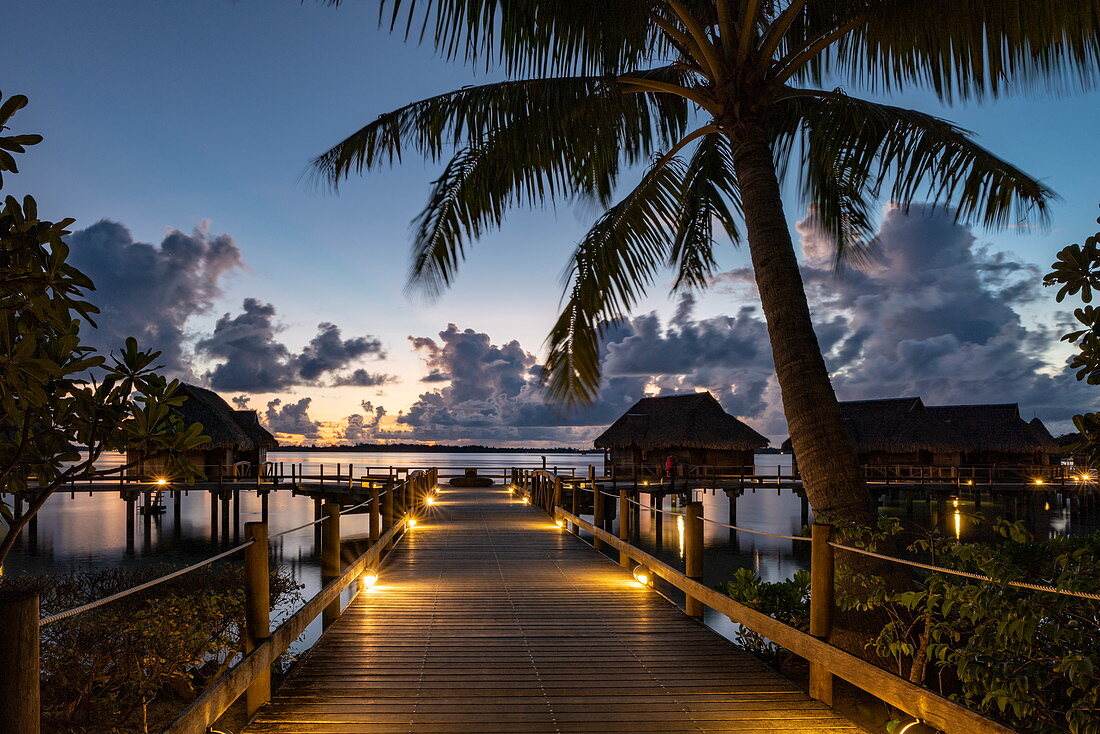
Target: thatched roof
227	428
905	425
996	427
897	425
695	420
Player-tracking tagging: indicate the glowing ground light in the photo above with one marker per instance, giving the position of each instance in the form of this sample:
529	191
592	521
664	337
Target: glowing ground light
560	523
1037	481
367	580
411	522
970	482
642	575
162	481
526	500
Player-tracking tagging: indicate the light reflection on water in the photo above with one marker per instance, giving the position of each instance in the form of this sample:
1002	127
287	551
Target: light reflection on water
80	531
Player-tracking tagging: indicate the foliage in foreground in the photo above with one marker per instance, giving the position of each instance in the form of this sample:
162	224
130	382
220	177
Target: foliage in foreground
1028	658
127	665
57	394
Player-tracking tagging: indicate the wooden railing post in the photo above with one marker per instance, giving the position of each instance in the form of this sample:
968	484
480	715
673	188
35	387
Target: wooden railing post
822	573
375	515
388	510
330	557
20	702
597	514
693	554
257	609
624	527
555	497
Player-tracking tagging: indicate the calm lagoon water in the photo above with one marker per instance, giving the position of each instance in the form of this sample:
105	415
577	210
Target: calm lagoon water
80	531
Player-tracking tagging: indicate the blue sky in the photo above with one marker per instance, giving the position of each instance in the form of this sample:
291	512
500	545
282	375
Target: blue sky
167	115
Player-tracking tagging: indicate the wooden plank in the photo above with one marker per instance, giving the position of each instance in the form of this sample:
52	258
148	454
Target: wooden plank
490	620
910	698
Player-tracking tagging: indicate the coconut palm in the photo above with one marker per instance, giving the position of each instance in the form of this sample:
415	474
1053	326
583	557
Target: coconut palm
719	102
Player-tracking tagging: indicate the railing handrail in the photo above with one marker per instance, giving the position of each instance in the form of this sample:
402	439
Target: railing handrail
914	699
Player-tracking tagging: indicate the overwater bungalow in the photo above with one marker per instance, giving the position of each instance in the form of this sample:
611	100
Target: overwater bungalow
693	429
238	444
906	432
996	435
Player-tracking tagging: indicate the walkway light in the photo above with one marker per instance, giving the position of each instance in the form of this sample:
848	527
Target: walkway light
526	500
559	522
410	522
1037	481
368	579
161	481
1086	477
430	501
954	501
642	575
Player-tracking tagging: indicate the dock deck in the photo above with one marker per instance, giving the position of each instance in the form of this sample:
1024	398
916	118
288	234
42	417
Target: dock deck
488	619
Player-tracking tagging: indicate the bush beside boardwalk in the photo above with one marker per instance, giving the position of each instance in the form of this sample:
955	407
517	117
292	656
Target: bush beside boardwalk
132	664
1028	658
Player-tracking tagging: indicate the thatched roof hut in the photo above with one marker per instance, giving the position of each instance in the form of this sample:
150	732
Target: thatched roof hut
904	431
226	427
236	436
693	428
996	429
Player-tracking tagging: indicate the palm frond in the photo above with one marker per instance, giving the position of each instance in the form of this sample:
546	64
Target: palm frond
874	149
611	269
966	50
438	125
709	190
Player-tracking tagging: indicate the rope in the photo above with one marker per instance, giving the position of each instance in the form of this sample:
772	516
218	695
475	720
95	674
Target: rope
755	532
140	587
287	532
967	574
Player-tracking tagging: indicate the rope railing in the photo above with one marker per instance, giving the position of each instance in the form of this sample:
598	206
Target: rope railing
967	574
194	567
141	587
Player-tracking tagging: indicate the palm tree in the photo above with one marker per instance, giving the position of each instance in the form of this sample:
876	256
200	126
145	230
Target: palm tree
721	101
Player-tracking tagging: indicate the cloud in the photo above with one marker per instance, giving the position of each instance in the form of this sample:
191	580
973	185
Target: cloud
241	401
252	359
363	426
362	378
292	418
935	314
150	291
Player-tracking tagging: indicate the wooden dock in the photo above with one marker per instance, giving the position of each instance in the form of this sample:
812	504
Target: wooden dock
488	619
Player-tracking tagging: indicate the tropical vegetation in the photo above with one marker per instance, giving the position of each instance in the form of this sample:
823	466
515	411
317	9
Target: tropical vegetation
721	107
62	404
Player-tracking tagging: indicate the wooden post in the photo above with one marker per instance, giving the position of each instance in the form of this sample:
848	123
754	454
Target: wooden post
330	556
375	515
597	513
20	709
388	510
821	606
624	527
575	503
693	553
555	499
257	609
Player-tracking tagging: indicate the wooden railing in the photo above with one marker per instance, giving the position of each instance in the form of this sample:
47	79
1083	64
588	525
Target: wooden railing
545	490
392	506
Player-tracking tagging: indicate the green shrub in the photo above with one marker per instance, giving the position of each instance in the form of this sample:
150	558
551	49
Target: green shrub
126	666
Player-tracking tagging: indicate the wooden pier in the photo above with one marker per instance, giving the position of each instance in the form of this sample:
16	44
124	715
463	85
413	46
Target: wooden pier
488	618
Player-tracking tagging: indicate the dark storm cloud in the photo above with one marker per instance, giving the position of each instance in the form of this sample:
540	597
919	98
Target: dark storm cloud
292	418
241	402
252	359
150	291
935	315
363	378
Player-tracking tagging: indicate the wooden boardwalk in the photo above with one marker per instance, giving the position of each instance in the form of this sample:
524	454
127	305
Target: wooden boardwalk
488	619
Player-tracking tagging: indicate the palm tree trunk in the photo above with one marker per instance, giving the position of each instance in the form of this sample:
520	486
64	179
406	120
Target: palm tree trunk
827	460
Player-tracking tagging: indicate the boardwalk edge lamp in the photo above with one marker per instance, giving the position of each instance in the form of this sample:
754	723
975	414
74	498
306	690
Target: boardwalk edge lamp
559	522
526	500
368	579
410	522
161	481
643	575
